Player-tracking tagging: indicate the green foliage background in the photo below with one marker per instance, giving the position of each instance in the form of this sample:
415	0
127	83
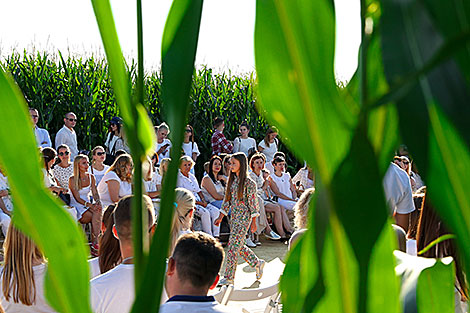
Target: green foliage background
56	85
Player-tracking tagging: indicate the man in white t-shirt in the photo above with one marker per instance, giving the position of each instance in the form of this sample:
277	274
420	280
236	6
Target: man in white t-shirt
398	193
193	269
114	291
67	136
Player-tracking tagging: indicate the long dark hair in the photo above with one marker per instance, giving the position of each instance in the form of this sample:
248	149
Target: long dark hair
242	177
191	138
211	173
110	252
430	227
48	154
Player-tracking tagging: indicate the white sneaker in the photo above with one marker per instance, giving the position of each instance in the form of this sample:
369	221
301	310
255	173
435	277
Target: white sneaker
259	269
250	243
272	235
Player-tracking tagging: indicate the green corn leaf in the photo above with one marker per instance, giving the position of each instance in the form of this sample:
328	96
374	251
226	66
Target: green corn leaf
294	50
36	212
453	18
178	54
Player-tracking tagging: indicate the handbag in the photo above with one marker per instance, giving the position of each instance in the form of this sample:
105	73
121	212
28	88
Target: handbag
110	157
65	197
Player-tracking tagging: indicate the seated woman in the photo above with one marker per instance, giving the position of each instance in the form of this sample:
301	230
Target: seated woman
22	275
150	184
282	186
82	185
109	254
50	156
183	215
212	185
303	180
301	215
207	212
116	183
98	168
6	206
281	221
64	169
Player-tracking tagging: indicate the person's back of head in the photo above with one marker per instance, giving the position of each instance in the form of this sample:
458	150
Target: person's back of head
196	260
217	122
182	217
109	252
279	154
123	217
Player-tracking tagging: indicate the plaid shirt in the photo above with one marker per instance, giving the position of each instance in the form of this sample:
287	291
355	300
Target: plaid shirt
220	144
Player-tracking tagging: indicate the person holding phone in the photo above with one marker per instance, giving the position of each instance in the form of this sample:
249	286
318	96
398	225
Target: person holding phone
163	146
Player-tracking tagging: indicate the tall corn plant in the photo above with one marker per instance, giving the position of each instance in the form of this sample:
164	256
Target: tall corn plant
412	80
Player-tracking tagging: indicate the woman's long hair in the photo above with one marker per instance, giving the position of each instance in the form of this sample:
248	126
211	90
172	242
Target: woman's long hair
77	182
120	167
211	163
182	220
430	227
110	252
48	154
191	138
18	275
242	177
271	130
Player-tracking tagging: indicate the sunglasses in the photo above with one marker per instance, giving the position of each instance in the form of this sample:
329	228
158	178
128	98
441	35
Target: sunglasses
405	162
72	119
64	153
188	130
100	153
34	116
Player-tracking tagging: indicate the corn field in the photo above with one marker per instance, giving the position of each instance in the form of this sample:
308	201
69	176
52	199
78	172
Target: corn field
55	85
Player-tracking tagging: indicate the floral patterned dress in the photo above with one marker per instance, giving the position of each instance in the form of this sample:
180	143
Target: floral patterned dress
242	211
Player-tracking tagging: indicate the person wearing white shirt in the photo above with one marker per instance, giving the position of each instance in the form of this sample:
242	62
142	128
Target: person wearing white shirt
163	145
281	184
66	135
398	194
98	168
114	290
193	269
116	183
269	145
42	136
207	212
189	147
244	143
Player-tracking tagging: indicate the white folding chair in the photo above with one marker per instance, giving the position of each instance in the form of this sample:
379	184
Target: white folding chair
246	295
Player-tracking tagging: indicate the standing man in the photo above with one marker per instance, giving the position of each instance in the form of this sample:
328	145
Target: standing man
398	193
66	135
42	136
219	143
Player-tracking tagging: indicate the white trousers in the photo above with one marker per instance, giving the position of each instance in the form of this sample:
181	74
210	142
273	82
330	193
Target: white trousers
208	215
287	204
4	222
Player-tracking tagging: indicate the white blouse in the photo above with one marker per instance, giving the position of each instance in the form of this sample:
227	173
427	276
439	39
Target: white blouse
268	151
243	145
125	188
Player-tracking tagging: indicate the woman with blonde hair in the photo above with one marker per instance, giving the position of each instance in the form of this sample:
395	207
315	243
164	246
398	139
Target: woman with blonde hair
163	144
301	214
183	215
98	168
22	276
82	184
116	183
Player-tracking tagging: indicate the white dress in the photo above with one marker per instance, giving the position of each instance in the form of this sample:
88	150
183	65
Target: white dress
283	184
218	187
125	188
190	148
268	151
85	196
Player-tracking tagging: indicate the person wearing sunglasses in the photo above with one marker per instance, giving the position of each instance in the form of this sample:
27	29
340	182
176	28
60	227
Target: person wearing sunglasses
67	135
64	168
98	168
190	148
42	136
